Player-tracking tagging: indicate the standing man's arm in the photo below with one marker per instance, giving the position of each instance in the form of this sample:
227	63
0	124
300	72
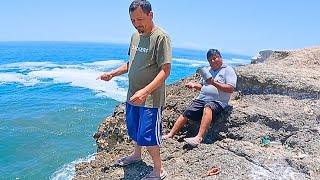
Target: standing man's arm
140	96
109	75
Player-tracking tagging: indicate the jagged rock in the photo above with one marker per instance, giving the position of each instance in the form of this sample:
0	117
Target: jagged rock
277	100
262	56
294	73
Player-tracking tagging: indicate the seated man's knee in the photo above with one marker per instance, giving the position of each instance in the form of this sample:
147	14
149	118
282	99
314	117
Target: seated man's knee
207	110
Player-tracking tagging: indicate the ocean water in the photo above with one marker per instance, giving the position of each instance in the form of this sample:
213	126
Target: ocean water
51	103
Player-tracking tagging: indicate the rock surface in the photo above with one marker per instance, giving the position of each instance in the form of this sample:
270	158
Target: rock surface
277	100
262	56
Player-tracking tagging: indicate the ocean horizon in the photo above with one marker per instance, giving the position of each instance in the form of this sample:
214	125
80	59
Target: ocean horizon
51	103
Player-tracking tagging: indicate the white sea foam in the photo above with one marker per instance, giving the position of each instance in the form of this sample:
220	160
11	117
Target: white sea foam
190	61
74	75
189	65
28	65
68	171
238	61
85	78
22	66
104	65
197	63
17	78
108	63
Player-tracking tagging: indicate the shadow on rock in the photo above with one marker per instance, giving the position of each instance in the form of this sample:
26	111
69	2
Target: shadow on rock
131	172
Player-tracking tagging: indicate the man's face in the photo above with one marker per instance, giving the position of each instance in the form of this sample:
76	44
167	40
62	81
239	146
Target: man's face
140	20
215	62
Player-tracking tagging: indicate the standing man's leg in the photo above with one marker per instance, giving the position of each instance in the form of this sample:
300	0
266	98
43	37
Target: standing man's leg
149	135
134	157
154	152
132	122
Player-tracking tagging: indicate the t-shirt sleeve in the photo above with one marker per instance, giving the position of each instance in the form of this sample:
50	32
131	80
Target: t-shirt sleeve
129	49
202	81
164	54
231	77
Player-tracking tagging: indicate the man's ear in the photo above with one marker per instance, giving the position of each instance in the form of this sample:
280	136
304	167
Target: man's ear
151	14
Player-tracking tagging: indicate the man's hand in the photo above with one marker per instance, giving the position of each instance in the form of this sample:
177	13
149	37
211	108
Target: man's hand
106	76
211	81
204	72
139	97
190	85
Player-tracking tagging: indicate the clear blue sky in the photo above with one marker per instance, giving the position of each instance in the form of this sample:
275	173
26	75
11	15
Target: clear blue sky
242	27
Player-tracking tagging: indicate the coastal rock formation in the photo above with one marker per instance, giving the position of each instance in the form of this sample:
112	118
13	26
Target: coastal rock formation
262	56
270	131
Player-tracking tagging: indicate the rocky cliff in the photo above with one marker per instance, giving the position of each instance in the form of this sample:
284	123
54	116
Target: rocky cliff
270	131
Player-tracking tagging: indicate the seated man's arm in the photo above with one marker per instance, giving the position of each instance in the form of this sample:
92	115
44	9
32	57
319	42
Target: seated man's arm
196	86
230	81
221	86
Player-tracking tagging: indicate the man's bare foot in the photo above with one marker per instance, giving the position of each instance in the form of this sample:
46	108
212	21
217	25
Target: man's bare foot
167	136
193	141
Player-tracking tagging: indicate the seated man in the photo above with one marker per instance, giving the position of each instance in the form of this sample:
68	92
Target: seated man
216	85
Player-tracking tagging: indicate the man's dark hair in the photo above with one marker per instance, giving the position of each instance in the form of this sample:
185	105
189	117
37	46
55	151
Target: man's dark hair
144	4
212	52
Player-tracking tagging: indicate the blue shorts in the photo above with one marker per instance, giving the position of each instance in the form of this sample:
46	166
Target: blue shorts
144	125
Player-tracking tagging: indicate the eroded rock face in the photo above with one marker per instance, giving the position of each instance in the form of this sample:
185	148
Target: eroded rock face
294	73
262	56
277	100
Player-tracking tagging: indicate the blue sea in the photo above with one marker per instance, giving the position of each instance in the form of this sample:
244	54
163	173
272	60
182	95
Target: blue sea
51	103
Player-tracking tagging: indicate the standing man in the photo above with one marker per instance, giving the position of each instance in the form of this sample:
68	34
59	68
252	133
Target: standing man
216	85
148	68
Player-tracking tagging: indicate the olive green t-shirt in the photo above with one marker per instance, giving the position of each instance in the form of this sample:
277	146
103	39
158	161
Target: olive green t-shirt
147	55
